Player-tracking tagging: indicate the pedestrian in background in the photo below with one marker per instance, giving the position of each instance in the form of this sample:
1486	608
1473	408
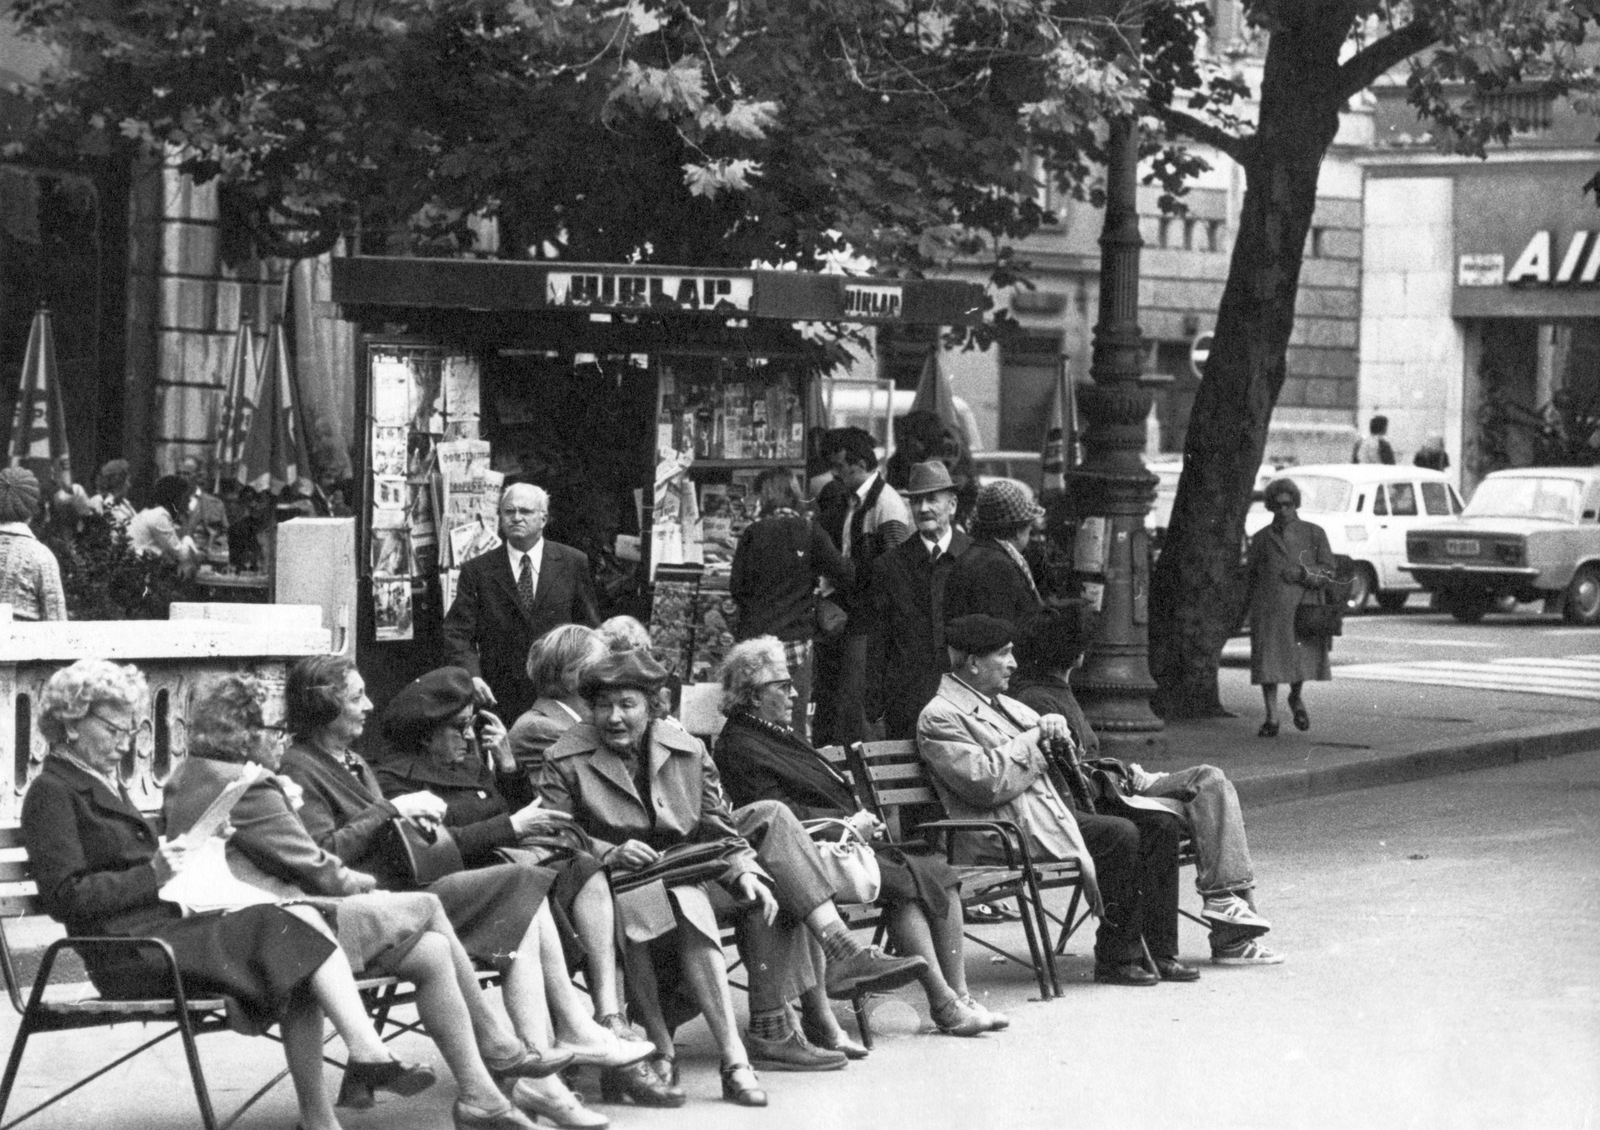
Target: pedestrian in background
1431	454
155	530
780	558
1290	564
993	577
30	576
207	524
1375	448
111	494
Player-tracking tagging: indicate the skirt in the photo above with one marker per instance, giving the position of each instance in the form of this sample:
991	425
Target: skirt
255	957
572	872
492	907
911	877
377	930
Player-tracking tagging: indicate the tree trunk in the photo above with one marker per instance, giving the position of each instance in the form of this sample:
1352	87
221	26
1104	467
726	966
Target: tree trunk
1197	591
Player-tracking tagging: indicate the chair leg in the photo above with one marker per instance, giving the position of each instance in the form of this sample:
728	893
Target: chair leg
208	1117
1043	920
13	1064
1039	953
1070	925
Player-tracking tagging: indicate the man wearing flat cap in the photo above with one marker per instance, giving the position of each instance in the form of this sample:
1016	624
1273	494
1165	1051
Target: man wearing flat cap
989	758
993	577
906	599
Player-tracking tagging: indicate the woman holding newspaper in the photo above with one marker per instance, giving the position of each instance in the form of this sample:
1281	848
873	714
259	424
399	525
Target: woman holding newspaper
100	869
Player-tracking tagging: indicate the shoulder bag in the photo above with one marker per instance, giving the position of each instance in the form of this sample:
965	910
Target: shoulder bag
847	859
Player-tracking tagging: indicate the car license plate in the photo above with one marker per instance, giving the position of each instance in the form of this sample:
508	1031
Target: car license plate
1461	547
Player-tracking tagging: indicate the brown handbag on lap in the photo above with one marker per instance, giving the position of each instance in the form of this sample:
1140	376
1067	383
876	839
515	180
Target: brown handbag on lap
423	855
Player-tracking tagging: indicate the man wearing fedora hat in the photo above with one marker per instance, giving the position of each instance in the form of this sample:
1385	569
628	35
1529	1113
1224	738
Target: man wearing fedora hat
994	578
906	598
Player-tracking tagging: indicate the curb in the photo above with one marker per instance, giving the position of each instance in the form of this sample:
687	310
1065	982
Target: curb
1535	743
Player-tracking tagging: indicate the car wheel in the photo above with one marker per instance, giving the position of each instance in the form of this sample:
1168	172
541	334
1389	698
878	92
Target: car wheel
1582	603
1469	607
1363	584
1392	601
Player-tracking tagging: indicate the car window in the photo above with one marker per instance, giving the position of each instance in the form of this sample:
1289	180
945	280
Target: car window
1320	494
1379	505
1436	500
1403	500
1519	497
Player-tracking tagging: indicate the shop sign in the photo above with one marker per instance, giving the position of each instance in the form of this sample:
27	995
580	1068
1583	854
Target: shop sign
1481	270
621	290
883	302
1578	265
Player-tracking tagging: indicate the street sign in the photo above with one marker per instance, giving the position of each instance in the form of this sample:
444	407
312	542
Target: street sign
1199	350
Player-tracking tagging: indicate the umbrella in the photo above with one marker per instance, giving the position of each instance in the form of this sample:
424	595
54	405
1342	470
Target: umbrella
1060	437
275	451
38	427
934	395
238	406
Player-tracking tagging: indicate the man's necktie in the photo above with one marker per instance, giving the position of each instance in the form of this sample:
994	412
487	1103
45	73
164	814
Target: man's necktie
525	585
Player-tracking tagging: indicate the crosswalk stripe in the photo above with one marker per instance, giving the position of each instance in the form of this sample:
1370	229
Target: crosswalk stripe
1575	676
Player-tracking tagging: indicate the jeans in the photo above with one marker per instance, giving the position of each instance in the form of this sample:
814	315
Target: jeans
1216	825
1136	862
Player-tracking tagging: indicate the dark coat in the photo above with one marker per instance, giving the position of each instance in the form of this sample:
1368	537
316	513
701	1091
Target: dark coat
908	657
1276	654
775	571
487	631
760	764
986	579
344	815
480	800
91	853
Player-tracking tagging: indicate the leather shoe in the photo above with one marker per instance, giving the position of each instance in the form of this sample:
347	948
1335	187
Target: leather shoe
837	1043
1171	969
871	971
529	1064
792	1053
742	1086
1125	973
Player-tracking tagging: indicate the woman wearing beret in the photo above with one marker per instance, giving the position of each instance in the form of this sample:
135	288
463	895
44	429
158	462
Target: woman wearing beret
498	912
639	788
437	747
761	758
383	933
30	576
1290	564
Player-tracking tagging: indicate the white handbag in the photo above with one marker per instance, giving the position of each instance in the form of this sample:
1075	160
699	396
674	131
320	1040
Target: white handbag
849	862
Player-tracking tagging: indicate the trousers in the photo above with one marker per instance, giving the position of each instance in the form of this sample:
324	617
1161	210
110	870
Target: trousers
1136	861
782	962
1216	825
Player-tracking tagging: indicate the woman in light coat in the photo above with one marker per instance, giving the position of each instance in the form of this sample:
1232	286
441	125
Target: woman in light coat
1290	564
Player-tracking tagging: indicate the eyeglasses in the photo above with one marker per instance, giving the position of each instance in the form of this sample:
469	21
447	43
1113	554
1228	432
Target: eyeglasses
786	684
279	733
120	730
520	512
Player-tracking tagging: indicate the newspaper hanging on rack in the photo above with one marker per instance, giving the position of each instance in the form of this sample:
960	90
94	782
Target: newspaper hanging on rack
469	501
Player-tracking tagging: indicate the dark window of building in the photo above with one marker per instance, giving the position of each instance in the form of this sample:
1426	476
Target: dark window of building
903	351
1188	235
1213	235
1164	232
1318	237
1030	364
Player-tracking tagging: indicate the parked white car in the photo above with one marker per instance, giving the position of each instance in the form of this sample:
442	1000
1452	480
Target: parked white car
1532	533
1367	509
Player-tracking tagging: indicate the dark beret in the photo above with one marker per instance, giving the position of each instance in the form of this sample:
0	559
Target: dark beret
977	634
634	670
425	702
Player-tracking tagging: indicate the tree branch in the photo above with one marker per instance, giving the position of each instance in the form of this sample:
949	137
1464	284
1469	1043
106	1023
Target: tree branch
1364	68
1204	132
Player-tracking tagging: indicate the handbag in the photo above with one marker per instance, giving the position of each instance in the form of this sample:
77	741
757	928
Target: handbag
849	861
423	855
681	865
1318	621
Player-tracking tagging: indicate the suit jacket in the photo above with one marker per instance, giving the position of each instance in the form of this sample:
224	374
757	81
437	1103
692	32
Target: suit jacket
480	800
987	579
344	812
91	851
488	632
582	777
270	847
986	763
907	656
760	764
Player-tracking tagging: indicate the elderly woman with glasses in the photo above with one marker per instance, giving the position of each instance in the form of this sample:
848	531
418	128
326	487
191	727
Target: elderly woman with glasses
1290	564
382	933
439	743
762	758
498	912
100	867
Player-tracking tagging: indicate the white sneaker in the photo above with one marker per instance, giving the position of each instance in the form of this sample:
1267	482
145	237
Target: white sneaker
1231	910
1249	952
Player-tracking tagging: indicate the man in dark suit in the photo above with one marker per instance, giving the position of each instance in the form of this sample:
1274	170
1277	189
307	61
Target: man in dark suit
906	596
509	597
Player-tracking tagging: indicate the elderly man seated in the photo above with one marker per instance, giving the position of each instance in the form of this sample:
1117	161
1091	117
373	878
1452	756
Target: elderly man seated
1202	795
989	756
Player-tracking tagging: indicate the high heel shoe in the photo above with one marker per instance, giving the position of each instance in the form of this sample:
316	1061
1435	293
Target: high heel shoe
361	1079
641	1083
562	1109
742	1094
530	1063
507	1117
